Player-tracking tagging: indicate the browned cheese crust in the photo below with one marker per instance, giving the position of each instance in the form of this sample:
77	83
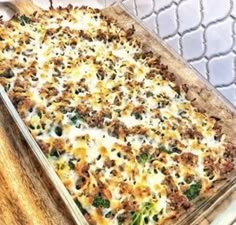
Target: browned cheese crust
121	134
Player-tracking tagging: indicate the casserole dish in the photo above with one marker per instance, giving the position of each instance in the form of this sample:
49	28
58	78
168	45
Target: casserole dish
199	92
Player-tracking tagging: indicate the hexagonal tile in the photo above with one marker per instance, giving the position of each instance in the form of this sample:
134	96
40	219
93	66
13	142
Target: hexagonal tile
219	37
150	21
233	13
144	8
161	4
174	43
130	5
215	10
189	9
200	66
229	92
222	70
167	22
193	44
178	1
235	35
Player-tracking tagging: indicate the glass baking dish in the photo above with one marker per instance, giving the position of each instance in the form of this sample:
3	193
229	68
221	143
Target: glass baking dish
203	88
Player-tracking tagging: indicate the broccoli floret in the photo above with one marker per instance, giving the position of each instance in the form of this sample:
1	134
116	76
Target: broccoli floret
143	158
71	164
76	118
193	191
24	20
101	202
136	218
144	214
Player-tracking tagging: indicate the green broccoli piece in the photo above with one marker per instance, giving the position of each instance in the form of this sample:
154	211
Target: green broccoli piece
24	20
101	202
193	191
143	158
75	118
142	216
136	218
71	164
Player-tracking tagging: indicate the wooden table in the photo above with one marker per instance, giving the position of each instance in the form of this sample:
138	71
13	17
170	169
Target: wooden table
219	209
26	194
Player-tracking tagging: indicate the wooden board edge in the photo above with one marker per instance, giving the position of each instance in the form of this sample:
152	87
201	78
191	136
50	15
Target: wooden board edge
26	7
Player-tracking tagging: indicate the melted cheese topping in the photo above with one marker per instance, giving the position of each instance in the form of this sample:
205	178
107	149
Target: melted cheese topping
125	141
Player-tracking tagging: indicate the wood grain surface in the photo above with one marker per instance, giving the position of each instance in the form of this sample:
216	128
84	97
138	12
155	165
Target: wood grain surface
23	6
26	195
